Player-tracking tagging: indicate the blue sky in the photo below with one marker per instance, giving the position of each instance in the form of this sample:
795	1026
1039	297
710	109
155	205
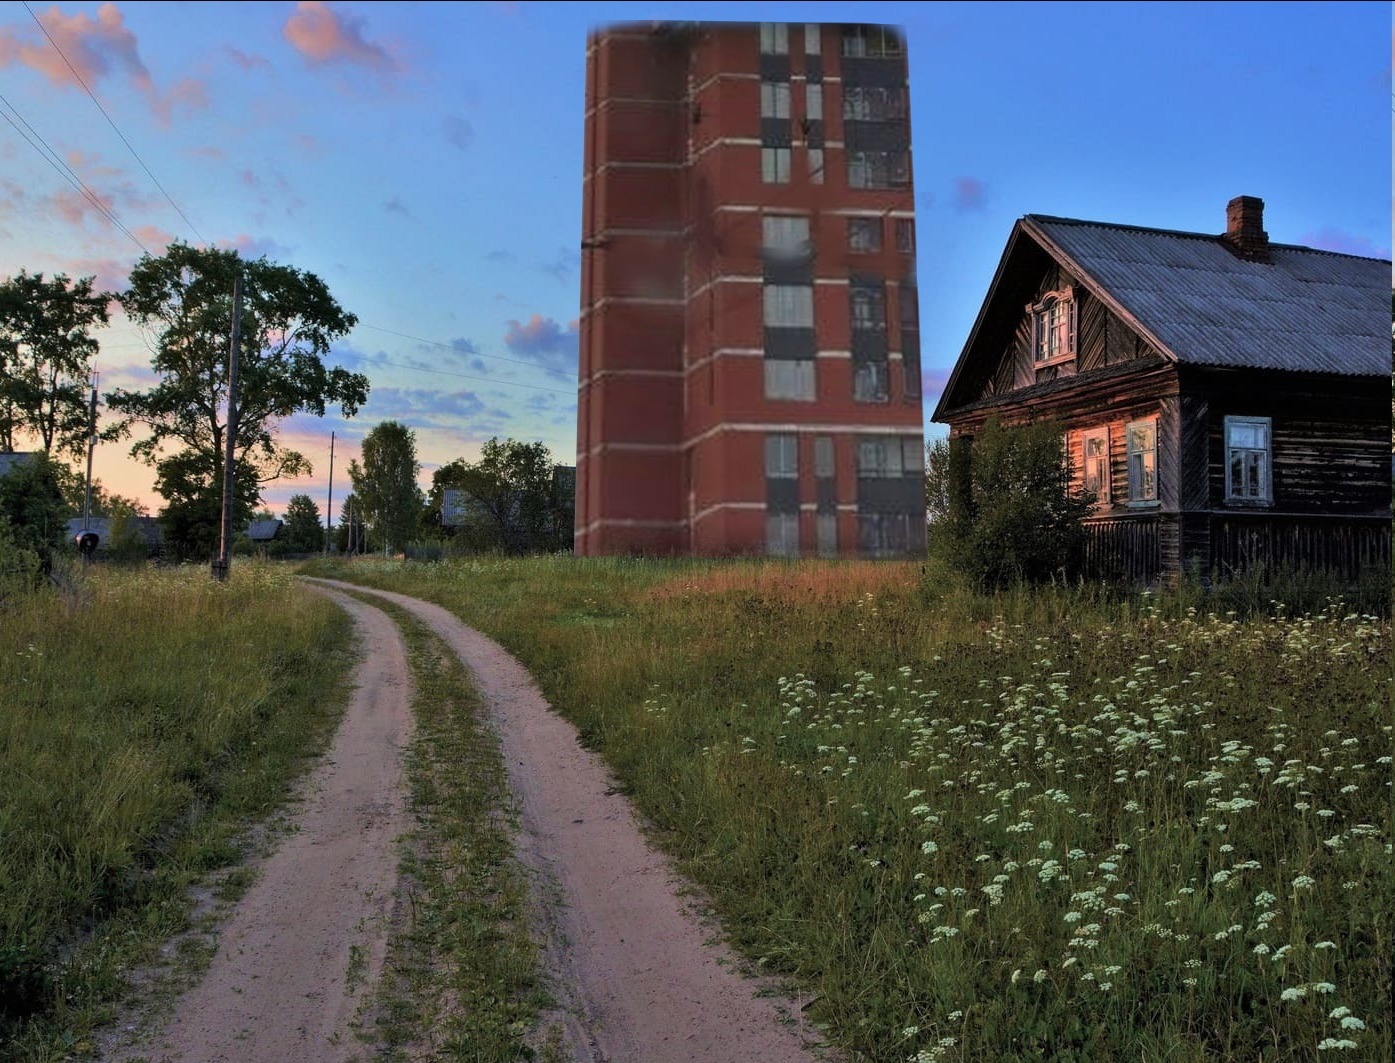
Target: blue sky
425	161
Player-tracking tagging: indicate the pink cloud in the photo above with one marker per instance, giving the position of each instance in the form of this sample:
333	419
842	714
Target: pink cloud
208	151
75	207
1329	238
249	246
933	380
153	237
96	49
247	61
323	36
969	193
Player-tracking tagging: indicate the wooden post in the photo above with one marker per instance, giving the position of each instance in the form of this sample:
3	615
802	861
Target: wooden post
224	559
329	502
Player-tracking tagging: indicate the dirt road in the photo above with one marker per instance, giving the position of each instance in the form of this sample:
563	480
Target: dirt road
635	969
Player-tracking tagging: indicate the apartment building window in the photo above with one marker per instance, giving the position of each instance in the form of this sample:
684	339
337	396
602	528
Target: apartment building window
782	464
782	534
823	457
782	457
811	39
867	104
864	234
1053	327
826	519
905	235
884	534
1143	460
1094	449
790	379
816	166
774	38
868	309
775	166
813	102
871	382
878	169
789	306
774	99
785	236
1247	459
913	456
880	457
871	42
826	529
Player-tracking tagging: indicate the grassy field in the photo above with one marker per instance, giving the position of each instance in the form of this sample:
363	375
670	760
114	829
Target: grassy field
147	716
1033	826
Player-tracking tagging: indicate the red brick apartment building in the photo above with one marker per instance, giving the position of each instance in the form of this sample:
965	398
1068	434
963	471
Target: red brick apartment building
750	351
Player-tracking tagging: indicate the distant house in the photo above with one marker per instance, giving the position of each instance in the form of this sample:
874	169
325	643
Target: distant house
264	531
1225	397
147	527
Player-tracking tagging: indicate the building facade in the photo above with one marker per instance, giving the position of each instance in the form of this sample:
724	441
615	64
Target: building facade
1222	397
750	366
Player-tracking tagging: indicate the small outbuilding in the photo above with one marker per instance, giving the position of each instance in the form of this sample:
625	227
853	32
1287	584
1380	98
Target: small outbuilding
1224	397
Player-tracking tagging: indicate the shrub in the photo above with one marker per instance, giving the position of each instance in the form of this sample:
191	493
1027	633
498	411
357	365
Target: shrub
1001	506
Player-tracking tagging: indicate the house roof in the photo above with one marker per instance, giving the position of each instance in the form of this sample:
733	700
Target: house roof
1304	310
263	531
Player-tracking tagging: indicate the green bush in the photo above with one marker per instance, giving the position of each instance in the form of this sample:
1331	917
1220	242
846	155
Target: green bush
1002	511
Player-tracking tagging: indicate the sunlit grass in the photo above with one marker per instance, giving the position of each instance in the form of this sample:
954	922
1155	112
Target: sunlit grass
1033	826
147	715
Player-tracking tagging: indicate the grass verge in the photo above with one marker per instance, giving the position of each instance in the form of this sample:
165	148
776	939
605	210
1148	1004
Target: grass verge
149	716
1031	826
462	977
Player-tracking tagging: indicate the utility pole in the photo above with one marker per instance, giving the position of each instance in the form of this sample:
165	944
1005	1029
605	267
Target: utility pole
329	502
224	559
91	445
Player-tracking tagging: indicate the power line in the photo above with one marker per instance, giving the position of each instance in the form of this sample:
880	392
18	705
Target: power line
39	144
111	123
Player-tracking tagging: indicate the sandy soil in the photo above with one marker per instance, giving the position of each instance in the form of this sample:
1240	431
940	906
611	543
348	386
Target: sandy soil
308	940
640	976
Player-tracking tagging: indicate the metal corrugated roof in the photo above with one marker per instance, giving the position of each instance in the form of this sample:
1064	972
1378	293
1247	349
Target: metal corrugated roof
1305	310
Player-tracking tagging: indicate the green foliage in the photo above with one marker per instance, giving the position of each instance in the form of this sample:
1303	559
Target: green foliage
32	504
139	735
1034	825
289	321
20	568
304	532
46	352
126	541
386	483
1002	509
515	503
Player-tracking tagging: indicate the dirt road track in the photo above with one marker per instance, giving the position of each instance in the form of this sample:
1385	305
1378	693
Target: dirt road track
627	953
310	936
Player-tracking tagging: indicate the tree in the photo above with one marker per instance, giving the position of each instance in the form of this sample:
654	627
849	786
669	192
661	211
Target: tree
1001	507
515	501
304	532
46	352
184	299
350	536
385	485
33	506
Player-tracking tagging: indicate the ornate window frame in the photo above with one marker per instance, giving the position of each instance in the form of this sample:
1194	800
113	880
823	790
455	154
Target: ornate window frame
1054	327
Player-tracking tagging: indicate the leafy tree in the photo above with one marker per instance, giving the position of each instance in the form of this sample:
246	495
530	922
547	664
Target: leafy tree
304	532
289	320
515	503
385	485
33	506
126	538
46	352
1001	507
351	534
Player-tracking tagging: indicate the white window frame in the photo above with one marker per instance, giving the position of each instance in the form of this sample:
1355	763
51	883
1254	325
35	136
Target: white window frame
1142	461
785	235
782	534
774	38
782	456
1054	327
788	306
865	234
905	235
775	99
826	534
866	103
812	38
912	456
866	309
881	457
871	382
790	380
1097	481
879	169
1257	458
813	101
825	460
816	166
775	166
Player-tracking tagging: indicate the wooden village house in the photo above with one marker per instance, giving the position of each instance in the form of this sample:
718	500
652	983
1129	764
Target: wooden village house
1225	397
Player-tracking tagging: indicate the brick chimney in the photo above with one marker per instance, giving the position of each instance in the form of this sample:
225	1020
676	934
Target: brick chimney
1244	229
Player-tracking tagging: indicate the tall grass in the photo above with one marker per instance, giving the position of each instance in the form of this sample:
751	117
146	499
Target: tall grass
146	716
1058	825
